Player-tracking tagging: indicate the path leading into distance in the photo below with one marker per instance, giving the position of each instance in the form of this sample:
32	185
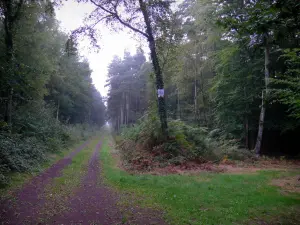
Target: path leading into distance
91	203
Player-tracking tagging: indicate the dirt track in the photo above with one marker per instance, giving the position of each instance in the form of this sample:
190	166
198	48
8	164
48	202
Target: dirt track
93	202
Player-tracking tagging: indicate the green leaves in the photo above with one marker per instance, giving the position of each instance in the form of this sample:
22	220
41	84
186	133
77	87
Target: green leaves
48	87
127	97
286	87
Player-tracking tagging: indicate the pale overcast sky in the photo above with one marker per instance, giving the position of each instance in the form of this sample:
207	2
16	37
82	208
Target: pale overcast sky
71	16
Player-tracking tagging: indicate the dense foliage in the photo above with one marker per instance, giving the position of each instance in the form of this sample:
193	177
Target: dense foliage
47	96
229	71
127	100
231	68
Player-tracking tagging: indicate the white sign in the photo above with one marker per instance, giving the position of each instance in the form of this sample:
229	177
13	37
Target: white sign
161	92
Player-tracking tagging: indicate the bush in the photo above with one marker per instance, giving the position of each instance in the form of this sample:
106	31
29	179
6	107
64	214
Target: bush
146	131
131	133
229	149
194	139
36	120
185	142
34	134
19	154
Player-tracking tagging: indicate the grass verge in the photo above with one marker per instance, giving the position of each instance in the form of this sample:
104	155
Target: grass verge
208	198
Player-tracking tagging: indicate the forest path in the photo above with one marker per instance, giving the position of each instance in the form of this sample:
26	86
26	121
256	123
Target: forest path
72	192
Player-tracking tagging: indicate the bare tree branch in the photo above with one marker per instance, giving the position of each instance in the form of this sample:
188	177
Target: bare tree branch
98	21
115	15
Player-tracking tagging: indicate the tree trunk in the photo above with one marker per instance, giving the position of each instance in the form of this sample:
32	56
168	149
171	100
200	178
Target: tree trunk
246	132
246	121
117	124
263	105
195	97
8	27
57	111
127	108
125	112
158	74
178	105
204	99
10	101
261	127
122	110
10	15
136	107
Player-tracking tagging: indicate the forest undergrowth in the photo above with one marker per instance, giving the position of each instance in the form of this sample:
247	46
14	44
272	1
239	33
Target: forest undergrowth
187	148
36	140
143	146
206	197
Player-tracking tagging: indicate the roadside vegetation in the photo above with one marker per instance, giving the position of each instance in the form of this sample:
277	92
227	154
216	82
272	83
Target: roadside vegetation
143	146
206	197
230	89
230	84
215	102
16	180
47	100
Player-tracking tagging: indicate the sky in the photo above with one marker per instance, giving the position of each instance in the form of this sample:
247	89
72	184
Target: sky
71	16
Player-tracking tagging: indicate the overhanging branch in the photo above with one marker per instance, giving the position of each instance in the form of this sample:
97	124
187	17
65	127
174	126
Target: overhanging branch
115	15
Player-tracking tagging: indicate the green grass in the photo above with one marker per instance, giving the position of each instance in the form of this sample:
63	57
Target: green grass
72	174
208	198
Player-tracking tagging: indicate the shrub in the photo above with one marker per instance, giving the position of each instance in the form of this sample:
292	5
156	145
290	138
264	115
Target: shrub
185	142
80	131
229	149
19	154
192	138
131	133
36	120
35	133
146	131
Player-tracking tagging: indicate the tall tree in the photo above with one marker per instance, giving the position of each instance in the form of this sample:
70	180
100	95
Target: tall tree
127	89
9	12
130	14
262	23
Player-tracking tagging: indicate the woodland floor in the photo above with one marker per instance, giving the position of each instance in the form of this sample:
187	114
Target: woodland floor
88	187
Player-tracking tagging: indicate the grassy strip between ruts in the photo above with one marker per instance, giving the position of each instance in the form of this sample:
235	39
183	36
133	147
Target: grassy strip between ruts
208	198
18	179
59	191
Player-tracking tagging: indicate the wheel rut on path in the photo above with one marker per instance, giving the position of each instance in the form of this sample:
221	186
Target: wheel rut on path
92	203
29	199
96	203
